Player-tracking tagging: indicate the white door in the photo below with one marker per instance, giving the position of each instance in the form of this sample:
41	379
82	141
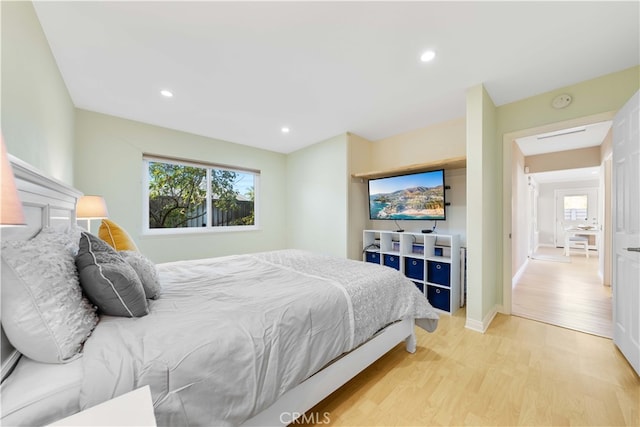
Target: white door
626	231
532	219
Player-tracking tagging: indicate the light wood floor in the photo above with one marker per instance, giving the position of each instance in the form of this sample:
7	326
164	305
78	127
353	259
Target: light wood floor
520	372
564	294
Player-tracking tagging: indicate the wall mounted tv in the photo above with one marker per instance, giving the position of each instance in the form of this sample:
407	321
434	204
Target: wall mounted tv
416	196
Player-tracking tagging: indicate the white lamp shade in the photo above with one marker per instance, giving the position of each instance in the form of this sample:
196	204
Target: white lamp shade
91	207
11	212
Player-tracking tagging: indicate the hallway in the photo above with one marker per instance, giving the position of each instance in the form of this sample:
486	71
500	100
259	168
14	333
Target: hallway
566	294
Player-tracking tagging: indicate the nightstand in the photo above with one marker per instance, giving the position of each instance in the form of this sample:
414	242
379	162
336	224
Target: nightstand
130	409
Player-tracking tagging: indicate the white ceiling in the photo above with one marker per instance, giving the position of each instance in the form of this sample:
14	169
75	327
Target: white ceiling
242	70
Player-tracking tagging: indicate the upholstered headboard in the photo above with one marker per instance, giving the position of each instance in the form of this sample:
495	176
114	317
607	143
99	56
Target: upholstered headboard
46	202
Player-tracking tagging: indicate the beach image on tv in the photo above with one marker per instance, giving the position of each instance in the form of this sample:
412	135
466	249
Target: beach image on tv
416	196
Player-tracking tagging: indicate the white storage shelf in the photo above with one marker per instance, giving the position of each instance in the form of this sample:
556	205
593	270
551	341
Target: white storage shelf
431	261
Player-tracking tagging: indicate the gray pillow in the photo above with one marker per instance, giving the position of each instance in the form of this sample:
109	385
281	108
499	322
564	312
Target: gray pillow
147	272
44	313
108	280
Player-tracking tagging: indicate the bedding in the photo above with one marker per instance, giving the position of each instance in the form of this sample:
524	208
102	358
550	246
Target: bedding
44	314
38	393
228	336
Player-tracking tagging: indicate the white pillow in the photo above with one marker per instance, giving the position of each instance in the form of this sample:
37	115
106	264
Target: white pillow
68	235
44	313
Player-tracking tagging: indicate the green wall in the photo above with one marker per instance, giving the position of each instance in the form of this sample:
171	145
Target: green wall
602	94
317	197
360	150
108	159
37	112
483	176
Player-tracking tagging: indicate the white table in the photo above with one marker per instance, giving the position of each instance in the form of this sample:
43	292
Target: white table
572	232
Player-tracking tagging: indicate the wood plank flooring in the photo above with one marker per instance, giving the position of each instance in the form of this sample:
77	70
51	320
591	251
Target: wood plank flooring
564	294
520	372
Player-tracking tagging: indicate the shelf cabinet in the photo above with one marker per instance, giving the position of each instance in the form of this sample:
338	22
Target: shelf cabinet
431	261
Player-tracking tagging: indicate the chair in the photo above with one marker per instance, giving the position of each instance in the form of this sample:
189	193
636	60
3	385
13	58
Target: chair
578	242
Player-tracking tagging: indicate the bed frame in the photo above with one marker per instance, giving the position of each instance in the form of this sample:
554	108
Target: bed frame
314	389
47	201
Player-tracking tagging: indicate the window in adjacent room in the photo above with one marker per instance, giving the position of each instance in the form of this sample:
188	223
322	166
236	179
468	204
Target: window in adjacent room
575	207
189	196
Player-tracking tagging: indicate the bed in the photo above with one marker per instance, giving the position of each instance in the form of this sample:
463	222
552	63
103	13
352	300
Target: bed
236	340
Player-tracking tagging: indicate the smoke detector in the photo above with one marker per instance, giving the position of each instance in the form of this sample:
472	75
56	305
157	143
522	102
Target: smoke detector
561	101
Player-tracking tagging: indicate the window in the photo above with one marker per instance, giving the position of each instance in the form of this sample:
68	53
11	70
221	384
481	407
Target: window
575	208
188	196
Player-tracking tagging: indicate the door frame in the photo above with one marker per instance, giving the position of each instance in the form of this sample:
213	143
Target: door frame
508	142
532	216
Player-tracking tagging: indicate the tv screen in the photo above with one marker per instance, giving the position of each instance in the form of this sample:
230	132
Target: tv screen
416	196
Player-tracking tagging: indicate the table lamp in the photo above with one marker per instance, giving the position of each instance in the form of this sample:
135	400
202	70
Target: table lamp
11	212
91	207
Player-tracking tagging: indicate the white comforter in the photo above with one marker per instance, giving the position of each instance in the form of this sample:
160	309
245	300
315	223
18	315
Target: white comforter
229	335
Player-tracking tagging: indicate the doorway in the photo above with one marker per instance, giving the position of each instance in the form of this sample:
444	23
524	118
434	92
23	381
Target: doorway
564	289
567	294
549	197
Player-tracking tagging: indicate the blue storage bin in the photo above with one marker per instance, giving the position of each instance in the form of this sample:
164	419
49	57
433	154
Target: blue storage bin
438	272
414	268
420	286
392	261
438	297
373	257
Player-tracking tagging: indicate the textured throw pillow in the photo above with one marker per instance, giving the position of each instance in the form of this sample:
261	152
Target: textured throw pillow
147	272
108	280
116	236
44	314
67	235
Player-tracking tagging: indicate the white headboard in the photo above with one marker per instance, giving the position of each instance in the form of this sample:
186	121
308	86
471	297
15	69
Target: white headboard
46	202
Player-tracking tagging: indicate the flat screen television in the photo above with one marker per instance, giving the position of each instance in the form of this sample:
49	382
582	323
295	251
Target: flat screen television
415	196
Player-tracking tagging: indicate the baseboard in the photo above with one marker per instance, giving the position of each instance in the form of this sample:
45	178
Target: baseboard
482	326
519	273
489	317
474	325
547	245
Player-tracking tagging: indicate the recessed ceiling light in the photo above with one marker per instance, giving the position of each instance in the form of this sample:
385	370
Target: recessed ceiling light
285	129
166	93
427	56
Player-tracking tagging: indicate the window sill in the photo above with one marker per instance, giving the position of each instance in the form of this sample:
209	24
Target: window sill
183	232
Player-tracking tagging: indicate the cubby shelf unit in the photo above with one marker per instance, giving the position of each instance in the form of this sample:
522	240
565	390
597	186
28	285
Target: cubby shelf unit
431	261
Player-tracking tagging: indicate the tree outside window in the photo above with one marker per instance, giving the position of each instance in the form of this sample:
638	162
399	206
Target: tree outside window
184	195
